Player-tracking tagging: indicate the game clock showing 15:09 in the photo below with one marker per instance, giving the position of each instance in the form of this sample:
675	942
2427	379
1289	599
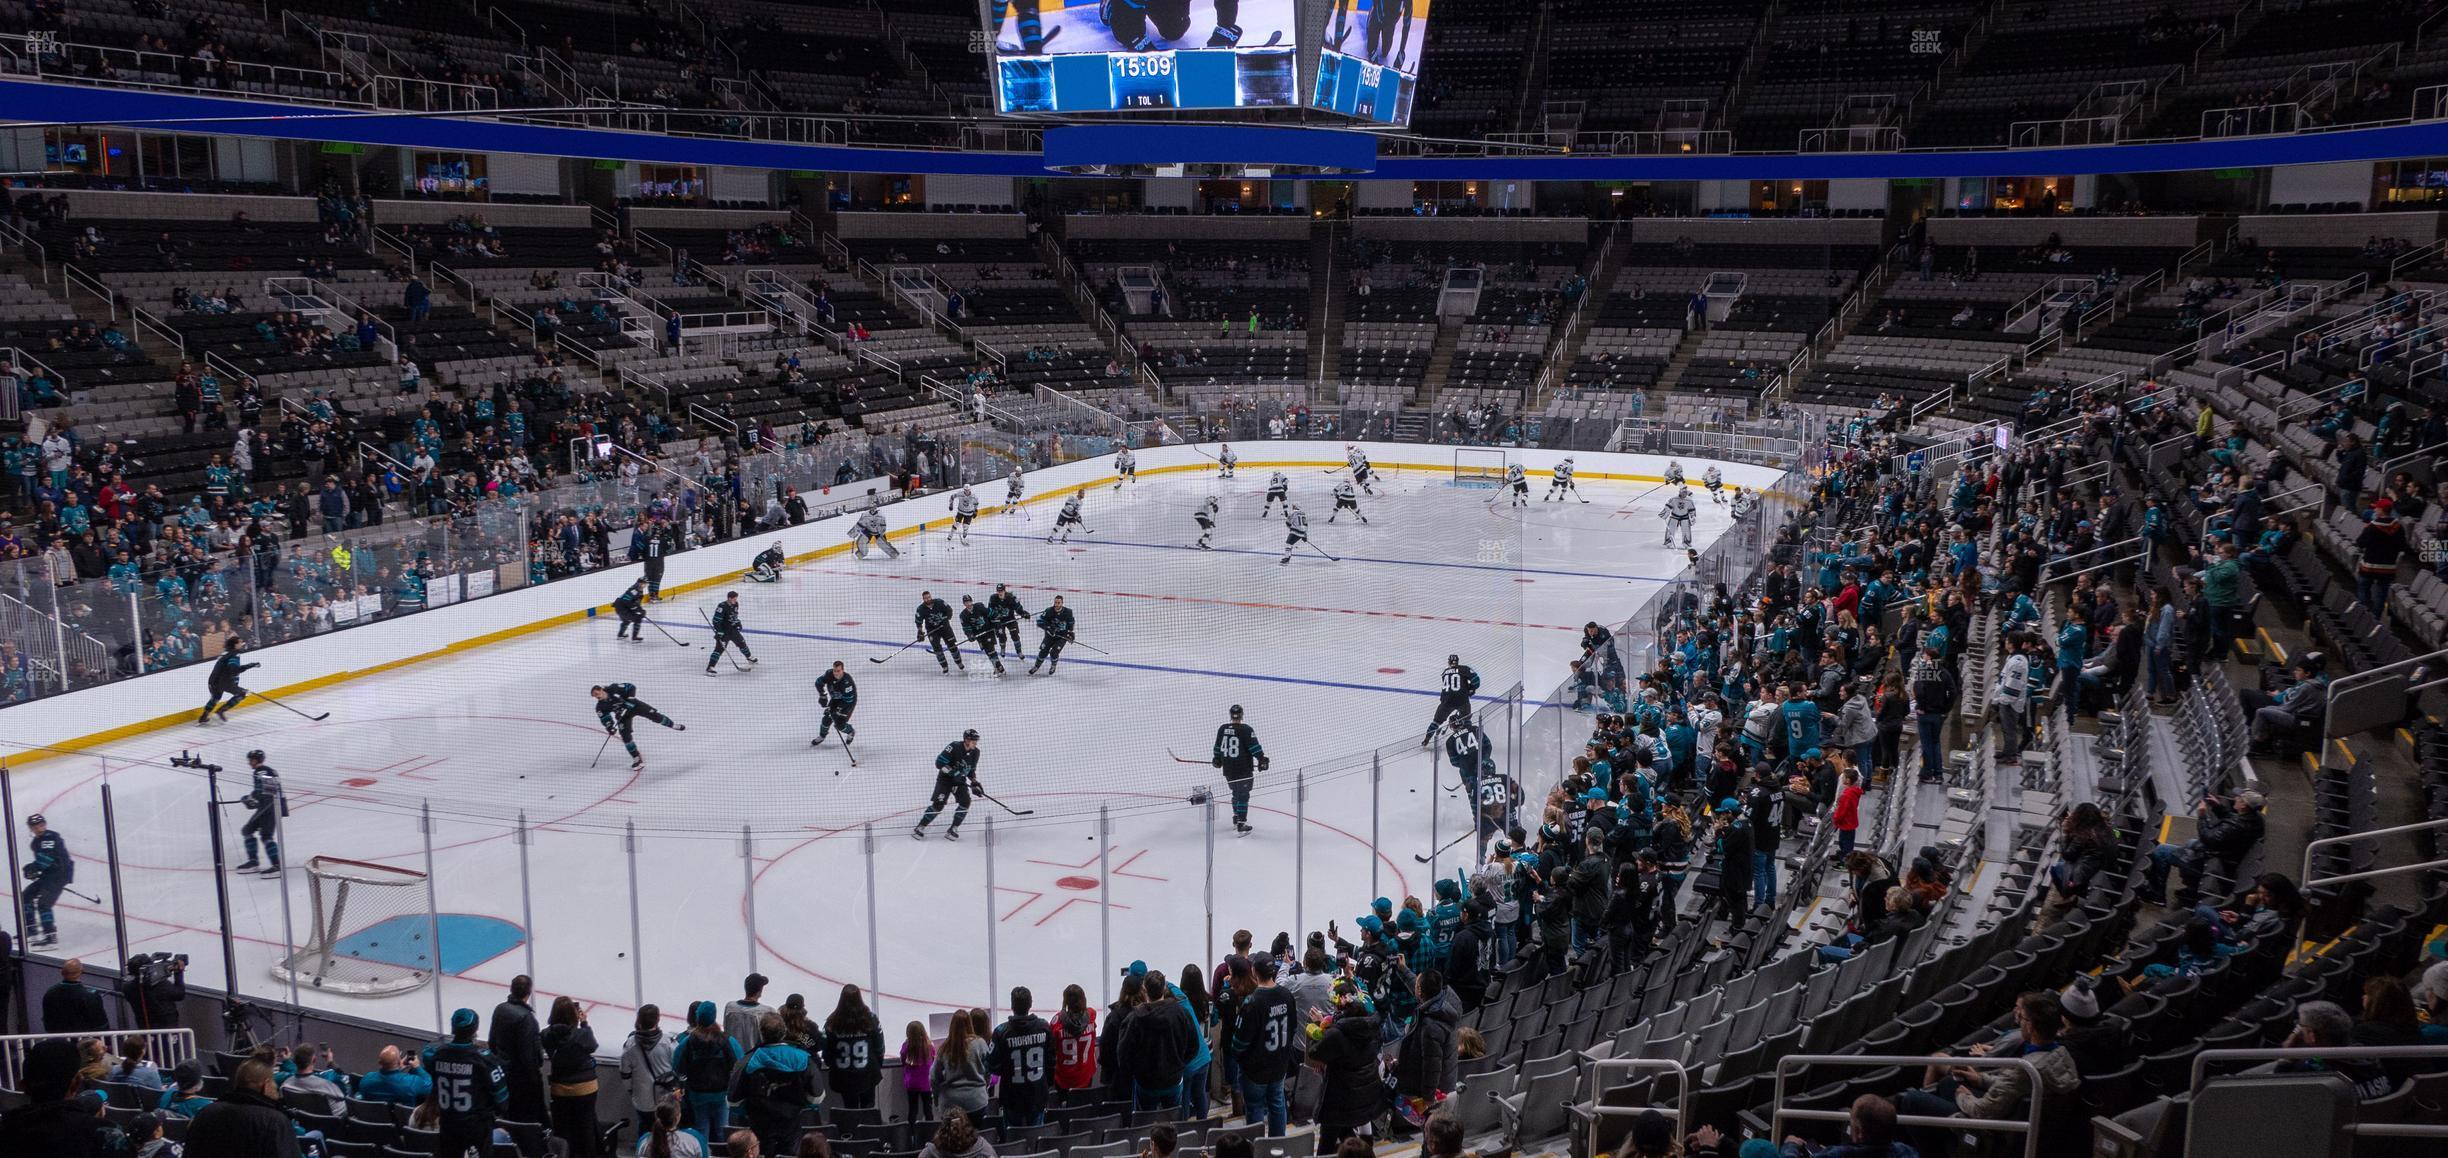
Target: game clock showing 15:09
1189	78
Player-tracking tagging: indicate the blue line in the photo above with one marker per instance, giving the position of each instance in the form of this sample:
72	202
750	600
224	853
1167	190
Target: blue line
1112	663
1354	558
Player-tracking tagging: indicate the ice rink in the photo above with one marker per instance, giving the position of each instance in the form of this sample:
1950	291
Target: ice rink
740	845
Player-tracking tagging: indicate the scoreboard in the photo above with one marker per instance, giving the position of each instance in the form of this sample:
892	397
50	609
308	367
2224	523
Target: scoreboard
1086	56
1056	57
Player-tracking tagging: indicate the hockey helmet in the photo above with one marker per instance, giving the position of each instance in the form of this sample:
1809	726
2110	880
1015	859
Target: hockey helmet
256	755
1236	711
1453	659
969	734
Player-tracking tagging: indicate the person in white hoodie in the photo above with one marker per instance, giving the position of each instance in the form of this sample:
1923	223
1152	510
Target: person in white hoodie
2012	699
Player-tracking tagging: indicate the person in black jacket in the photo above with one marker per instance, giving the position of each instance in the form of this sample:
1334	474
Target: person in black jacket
469	1088
853	1050
1631	918
247	1122
2085	845
1354	1094
54	1122
569	1050
1023	1056
519	1044
1463	972
1158	1047
73	1006
223	680
1111	1072
2229	829
1425	1063
1266	1044
1733	864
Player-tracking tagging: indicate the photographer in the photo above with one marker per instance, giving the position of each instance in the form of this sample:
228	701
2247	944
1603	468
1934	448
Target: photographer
2229	829
154	986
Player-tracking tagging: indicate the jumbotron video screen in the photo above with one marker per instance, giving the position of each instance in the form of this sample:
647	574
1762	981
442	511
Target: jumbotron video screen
1083	56
1368	64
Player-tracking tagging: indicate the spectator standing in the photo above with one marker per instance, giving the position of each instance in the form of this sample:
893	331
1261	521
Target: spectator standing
645	1067
514	1035
1425	1061
1021	1057
1266	1045
569	1055
2380	546
918	1072
701	1062
71	1006
741	1018
417	298
854	1050
775	1083
470	1089
960	1070
1158	1043
1346	1055
1075	1041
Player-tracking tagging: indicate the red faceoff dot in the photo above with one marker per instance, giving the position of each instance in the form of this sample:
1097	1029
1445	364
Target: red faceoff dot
1389	671
1077	884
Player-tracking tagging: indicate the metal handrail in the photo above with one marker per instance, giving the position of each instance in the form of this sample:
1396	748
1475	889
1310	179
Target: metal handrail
2311	881
1679	1113
2029	1126
143	319
74	279
167	1048
2336	687
2202	1060
25	240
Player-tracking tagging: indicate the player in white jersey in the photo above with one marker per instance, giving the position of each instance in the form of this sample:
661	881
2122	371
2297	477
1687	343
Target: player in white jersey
1679	513
1714	480
1206	516
1361	471
1346	499
1126	468
1296	530
1065	522
869	532
1744	504
964	512
1279	490
1226	459
1562	484
1013	488
1674	472
1518	481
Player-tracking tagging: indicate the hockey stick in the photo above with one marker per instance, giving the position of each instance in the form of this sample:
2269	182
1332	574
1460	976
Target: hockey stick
318	718
1440	849
735	663
607	746
667	635
1005	807
88	898
1177	756
1073	640
902	648
1320	550
846	752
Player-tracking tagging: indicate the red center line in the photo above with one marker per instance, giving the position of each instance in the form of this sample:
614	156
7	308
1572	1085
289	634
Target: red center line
1253	604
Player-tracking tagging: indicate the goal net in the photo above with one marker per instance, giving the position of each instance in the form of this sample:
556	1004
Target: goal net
1478	467
372	932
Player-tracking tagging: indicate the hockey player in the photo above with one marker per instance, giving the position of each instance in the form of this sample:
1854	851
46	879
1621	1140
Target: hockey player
1454	688
1066	520
1031	27
1517	480
1679	513
469	1088
767	566
868	532
1296	530
1236	748
934	620
266	804
1674	472
1466	746
48	873
224	681
977	624
964	512
955	778
1008	614
1130	20
1744	505
837	694
1055	628
1562	484
1345	499
1226	460
1014	487
1500	797
1714	480
727	631
1206	516
1279	490
1126	468
1387	30
618	707
1361	471
630	606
